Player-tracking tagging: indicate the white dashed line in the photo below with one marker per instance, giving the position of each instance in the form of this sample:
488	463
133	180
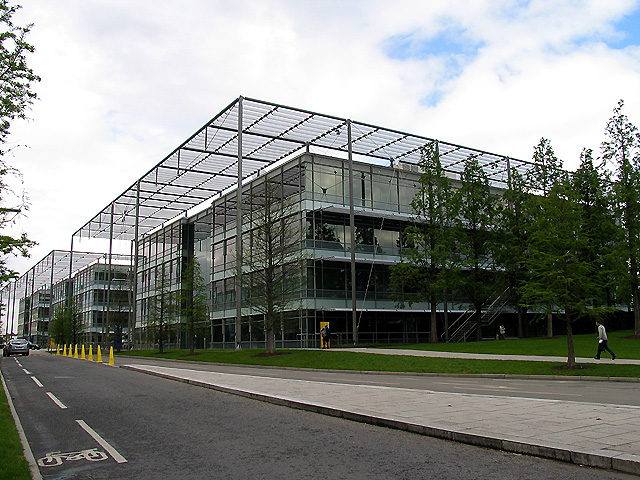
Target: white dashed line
37	382
55	400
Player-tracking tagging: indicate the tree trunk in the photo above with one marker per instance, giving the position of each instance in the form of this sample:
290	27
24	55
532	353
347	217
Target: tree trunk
549	325
271	340
446	317
571	357
478	315
636	307
433	334
520	321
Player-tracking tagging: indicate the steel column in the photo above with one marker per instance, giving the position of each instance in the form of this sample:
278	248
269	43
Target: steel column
239	234
354	319
53	259
109	273
135	267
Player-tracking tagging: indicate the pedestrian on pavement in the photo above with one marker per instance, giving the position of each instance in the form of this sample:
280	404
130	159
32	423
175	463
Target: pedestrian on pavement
325	335
602	342
502	332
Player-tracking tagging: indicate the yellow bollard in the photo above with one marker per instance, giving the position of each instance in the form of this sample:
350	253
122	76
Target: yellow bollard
57	350
99	359
90	356
82	357
64	353
75	352
111	356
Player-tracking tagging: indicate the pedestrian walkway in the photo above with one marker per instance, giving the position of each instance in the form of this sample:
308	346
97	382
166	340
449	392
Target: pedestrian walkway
600	435
484	356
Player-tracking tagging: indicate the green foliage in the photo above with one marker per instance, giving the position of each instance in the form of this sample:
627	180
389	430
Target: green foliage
13	466
162	308
66	326
424	272
194	302
16	97
477	206
621	151
600	233
513	226
16	78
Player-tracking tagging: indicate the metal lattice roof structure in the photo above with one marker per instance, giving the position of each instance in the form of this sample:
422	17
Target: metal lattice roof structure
57	266
206	165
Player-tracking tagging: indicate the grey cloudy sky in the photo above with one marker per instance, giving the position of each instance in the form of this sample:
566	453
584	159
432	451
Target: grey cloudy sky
124	82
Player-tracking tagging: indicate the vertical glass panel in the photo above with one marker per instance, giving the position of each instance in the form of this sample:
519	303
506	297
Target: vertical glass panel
361	188
388	241
408	189
327	183
218	256
385	192
230	253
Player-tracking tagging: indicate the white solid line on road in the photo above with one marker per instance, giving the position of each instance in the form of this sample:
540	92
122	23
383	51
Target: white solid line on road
37	382
102	442
55	400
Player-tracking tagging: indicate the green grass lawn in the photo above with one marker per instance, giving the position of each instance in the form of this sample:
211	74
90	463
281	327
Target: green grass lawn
340	360
13	465
584	346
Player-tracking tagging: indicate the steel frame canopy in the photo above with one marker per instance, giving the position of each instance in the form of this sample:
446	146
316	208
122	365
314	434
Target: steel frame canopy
256	134
58	265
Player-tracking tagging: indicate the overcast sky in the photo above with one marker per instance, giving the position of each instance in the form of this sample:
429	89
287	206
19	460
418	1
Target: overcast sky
124	82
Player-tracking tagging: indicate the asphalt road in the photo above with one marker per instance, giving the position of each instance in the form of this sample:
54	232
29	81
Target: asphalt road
120	424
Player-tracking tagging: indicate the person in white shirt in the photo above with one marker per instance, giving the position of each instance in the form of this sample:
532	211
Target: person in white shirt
602	342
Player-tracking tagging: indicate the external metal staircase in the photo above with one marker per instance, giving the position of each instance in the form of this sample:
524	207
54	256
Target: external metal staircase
465	324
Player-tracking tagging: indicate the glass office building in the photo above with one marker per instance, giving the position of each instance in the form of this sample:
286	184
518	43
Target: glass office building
351	184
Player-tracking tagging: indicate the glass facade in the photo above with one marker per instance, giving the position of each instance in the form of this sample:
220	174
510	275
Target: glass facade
319	187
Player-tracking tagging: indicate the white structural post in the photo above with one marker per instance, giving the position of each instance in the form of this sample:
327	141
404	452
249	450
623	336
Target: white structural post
238	332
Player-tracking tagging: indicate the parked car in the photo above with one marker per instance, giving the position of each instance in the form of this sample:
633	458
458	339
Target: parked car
16	346
33	346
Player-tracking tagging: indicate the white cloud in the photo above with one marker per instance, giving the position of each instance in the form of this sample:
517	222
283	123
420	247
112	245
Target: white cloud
126	82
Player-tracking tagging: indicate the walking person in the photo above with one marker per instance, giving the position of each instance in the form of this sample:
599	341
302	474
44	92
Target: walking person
502	331
602	342
325	335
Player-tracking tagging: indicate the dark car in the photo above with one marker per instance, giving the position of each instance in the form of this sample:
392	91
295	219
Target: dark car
17	346
33	346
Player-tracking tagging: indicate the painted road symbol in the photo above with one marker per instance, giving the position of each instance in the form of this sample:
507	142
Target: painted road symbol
53	459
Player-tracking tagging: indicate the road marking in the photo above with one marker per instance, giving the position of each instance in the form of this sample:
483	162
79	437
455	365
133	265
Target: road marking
26	371
53	459
37	382
55	400
102	442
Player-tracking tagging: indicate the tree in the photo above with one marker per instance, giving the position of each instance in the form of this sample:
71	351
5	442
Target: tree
427	258
621	149
514	221
162	308
66	325
273	263
476	238
540	179
560	280
195	306
17	96
599	229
